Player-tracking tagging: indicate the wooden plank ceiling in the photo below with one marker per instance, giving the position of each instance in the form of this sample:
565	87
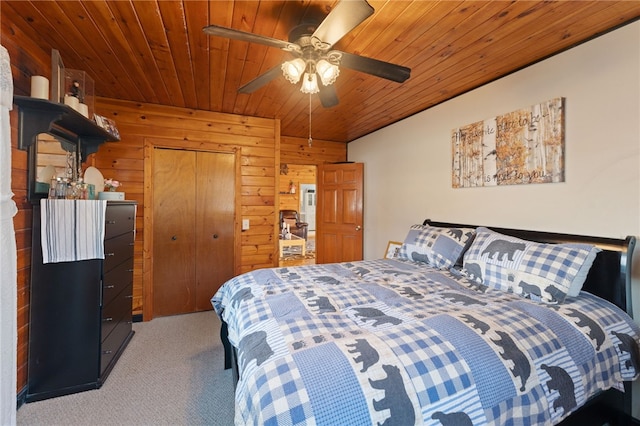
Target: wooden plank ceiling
156	51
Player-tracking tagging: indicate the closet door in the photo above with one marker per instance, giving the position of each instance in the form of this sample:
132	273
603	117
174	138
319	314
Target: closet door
174	232
193	221
215	212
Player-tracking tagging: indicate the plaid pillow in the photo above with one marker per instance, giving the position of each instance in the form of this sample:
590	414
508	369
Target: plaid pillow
437	247
544	272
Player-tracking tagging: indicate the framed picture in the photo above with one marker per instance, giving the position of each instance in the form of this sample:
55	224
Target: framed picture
107	124
393	249
57	77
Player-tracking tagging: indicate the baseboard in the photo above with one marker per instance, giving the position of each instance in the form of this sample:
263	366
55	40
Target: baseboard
21	397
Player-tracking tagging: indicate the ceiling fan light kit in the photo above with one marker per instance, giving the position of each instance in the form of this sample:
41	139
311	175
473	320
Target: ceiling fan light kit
314	57
293	70
327	71
310	83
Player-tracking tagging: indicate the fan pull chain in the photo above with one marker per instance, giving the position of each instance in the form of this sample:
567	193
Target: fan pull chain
310	140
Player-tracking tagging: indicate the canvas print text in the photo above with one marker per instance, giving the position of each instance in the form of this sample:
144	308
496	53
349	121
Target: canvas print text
519	147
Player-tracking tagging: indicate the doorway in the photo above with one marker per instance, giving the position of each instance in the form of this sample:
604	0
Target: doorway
298	193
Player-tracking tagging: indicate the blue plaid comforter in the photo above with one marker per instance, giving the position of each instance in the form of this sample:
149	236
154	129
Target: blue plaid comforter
389	342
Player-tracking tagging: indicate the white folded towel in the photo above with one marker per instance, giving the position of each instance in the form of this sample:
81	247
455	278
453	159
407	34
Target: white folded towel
72	230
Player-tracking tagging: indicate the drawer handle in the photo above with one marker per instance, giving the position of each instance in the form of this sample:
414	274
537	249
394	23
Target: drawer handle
111	222
129	296
109	286
129	270
107	352
110	254
107	319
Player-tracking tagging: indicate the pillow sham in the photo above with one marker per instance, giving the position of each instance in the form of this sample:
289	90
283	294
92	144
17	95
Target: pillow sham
437	247
544	272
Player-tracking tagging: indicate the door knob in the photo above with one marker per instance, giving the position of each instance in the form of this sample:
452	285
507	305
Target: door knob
358	228
175	237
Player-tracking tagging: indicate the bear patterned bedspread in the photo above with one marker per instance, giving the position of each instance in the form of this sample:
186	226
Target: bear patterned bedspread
392	342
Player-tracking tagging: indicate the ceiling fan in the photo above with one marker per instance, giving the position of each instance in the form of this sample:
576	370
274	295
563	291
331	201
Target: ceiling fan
311	47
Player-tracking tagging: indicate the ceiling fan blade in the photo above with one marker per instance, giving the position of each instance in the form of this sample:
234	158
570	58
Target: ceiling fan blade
343	18
219	31
261	80
375	67
328	95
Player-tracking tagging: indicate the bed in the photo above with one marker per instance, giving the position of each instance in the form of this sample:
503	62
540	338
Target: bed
468	326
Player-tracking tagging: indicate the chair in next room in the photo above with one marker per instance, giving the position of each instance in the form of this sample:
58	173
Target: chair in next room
296	227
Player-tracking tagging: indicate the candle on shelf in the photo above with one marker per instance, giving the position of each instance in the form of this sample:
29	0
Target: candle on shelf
39	87
83	109
72	101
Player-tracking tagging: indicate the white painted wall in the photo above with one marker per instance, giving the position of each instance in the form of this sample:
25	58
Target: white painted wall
407	165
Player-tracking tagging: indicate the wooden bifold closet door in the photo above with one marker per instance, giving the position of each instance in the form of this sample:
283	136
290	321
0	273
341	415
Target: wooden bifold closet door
193	224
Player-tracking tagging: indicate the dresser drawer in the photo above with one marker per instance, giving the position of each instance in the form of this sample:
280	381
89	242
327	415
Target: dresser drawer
117	250
113	343
116	279
116	311
119	219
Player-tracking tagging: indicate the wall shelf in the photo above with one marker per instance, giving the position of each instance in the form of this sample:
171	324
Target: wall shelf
37	116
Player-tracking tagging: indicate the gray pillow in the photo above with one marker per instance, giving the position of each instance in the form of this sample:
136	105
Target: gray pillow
438	247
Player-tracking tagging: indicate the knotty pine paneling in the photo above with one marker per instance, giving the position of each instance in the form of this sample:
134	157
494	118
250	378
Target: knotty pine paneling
297	151
157	53
296	174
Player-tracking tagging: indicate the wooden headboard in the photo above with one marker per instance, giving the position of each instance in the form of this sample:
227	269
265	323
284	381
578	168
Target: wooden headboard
610	274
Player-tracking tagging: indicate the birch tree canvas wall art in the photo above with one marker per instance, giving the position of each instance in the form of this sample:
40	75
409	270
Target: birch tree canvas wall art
519	147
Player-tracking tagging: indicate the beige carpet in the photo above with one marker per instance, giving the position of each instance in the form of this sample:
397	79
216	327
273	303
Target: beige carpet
172	373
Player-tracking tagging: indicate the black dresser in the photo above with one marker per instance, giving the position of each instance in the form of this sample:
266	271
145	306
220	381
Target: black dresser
80	312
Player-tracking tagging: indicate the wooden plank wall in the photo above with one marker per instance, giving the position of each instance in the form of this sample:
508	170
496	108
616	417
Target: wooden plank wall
296	174
297	151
